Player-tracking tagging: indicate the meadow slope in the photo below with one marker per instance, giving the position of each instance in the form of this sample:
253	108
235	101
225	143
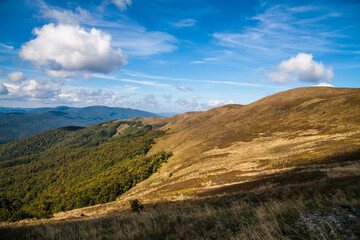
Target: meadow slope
298	137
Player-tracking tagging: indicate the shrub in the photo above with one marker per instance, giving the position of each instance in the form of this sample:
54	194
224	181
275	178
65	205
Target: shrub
135	205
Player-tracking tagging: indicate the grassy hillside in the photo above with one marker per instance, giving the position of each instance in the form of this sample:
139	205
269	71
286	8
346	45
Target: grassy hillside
73	167
224	149
269	213
237	172
19	123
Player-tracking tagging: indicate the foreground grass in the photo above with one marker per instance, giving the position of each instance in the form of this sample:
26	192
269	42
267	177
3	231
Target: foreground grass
267	211
221	218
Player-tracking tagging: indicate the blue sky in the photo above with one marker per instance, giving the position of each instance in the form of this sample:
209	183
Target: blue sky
172	56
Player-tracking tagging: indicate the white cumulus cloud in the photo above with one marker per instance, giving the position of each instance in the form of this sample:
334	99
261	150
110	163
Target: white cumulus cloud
71	48
324	84
35	89
54	92
131	37
16	76
88	96
300	68
217	103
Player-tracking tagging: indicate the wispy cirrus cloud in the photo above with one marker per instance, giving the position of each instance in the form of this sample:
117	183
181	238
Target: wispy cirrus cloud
121	4
7	46
205	60
281	30
148	83
184	23
139	42
142	75
65	16
130	88
6	49
184	89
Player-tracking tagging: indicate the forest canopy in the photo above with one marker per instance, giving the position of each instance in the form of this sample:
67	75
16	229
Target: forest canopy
74	167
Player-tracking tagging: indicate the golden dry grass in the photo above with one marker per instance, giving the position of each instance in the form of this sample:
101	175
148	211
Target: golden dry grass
252	216
294	128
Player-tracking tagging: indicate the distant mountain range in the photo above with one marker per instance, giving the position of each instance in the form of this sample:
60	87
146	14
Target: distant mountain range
13	110
16	123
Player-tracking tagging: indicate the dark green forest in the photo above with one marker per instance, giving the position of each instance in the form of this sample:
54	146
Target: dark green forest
74	167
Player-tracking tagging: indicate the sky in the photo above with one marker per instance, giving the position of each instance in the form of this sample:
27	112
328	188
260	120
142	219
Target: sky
172	55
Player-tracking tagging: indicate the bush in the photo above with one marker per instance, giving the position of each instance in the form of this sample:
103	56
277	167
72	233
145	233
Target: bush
135	205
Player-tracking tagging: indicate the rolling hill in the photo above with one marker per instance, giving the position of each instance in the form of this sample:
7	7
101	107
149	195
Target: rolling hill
299	144
235	144
19	123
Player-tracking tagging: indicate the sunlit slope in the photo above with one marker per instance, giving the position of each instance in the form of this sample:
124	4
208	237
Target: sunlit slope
221	150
